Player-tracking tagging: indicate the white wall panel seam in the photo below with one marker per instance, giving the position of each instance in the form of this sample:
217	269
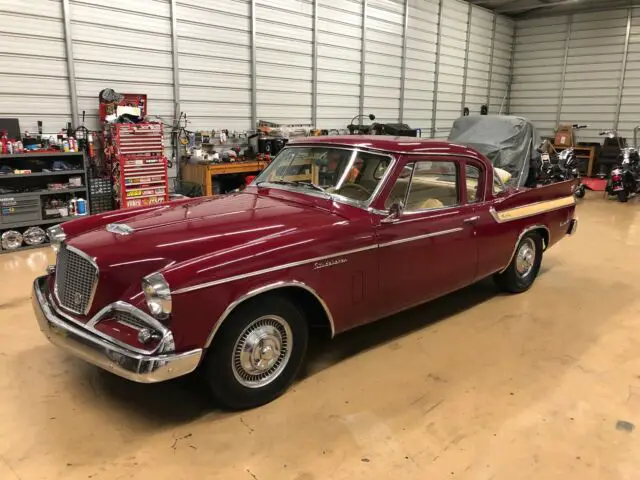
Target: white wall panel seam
623	69
403	68
66	18
437	71
363	52
466	60
564	68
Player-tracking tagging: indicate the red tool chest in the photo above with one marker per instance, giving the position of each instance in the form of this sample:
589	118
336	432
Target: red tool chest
139	165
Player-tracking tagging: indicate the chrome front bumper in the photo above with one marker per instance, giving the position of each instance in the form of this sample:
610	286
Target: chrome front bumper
113	358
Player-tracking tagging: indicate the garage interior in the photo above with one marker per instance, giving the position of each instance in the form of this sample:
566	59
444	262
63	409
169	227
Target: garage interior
476	384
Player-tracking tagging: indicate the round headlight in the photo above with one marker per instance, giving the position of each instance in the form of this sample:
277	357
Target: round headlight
158	295
56	236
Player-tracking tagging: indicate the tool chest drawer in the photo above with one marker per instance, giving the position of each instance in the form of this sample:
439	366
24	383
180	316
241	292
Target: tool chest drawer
19	209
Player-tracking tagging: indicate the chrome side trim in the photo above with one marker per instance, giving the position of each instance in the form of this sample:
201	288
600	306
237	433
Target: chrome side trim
536	208
421	237
271	269
522	234
91	260
267	288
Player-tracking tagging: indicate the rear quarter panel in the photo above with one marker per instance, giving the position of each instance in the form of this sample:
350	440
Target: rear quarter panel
513	212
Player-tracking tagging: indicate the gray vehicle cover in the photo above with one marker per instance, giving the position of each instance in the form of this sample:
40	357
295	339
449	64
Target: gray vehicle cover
508	142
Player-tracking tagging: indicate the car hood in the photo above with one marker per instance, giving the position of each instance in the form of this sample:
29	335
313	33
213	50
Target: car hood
188	230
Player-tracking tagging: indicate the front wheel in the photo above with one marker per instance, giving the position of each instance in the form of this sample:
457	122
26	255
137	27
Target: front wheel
580	191
524	267
257	352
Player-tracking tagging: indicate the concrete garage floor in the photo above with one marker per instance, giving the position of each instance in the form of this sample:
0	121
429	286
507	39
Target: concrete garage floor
475	385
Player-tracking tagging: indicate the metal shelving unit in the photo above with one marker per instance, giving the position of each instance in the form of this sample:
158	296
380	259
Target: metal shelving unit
25	209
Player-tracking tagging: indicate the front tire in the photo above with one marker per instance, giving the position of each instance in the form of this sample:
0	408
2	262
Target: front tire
257	352
524	267
580	191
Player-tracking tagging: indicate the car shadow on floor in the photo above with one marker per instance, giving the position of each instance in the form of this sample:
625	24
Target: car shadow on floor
156	403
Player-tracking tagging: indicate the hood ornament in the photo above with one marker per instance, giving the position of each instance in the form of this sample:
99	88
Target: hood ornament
120	228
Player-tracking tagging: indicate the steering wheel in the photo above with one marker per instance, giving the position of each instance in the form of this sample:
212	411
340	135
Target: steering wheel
354	186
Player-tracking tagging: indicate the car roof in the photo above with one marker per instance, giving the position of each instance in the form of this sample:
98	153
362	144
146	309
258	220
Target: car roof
391	144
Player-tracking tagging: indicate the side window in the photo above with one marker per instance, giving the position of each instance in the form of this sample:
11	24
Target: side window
399	191
434	185
472	179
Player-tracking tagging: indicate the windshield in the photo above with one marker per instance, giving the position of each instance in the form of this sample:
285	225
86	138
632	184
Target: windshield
348	173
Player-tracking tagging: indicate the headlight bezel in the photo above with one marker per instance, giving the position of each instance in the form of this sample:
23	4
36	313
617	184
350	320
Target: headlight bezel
157	294
56	236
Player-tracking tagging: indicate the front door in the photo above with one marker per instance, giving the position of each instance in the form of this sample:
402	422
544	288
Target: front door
430	249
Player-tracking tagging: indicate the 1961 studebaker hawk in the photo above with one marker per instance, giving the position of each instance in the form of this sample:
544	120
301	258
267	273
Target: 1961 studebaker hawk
334	233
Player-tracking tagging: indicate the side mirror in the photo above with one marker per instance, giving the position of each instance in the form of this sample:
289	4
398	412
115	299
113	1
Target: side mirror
394	213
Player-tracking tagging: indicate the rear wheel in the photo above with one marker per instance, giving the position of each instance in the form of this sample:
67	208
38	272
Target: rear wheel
524	267
623	196
257	352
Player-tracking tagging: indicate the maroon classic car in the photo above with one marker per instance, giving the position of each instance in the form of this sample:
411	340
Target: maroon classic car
334	233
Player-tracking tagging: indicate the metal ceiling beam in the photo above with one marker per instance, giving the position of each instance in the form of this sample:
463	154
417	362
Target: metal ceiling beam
363	56
254	83
434	110
71	71
567	41
403	66
314	68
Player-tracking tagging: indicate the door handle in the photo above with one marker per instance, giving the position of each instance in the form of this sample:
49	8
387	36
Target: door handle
471	219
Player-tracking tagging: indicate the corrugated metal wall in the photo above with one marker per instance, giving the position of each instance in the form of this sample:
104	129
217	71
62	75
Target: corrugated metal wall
569	69
377	56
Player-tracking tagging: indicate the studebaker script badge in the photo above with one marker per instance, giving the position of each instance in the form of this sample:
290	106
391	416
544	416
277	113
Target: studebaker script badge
328	263
120	228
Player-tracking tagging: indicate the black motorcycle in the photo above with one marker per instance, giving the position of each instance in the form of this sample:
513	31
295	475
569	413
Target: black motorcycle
559	167
624	180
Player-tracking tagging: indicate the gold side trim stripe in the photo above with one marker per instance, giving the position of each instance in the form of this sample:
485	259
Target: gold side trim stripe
532	209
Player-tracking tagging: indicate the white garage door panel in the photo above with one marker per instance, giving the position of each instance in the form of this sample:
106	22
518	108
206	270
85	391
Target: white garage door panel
17	45
285	45
275	98
111	36
13	84
385	60
421	60
203	32
91	88
339	101
12	105
327	11
284	72
386	82
338	28
203	49
214	95
281	58
339	77
30	66
107	72
213	18
386	103
41	27
342	42
213	80
214	65
269	27
383	26
96	15
329	89
275	85
420	75
280	17
384	38
334	53
121	55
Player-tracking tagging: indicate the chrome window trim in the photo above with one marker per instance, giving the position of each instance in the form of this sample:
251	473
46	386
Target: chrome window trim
263	289
522	234
91	260
165	345
333	196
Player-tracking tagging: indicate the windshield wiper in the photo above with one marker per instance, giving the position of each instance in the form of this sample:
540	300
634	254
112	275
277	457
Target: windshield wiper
296	183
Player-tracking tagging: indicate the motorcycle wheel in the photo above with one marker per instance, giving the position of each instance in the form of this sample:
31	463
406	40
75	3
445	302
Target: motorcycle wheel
623	196
580	191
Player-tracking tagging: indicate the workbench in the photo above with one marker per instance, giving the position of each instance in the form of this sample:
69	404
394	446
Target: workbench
582	152
202	174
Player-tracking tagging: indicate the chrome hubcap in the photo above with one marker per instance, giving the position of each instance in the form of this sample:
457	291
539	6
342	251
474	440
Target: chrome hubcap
262	351
525	257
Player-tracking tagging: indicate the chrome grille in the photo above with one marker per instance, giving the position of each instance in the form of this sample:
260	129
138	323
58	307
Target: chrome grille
129	319
76	280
